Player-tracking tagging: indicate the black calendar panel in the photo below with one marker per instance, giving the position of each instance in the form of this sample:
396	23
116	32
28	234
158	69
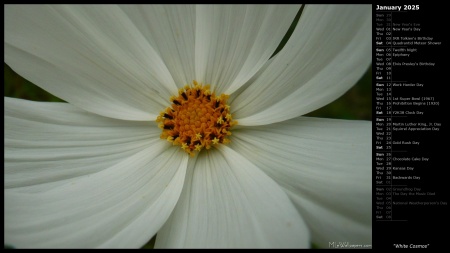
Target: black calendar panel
410	125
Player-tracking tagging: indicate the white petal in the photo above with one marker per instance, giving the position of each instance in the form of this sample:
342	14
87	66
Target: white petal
232	42
170	29
328	52
122	206
324	165
48	142
236	93
91	56
227	202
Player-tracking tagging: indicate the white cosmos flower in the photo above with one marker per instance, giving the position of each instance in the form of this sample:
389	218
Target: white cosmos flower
94	172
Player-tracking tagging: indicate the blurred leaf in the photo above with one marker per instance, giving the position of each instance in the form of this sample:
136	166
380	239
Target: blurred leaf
150	244
17	87
355	104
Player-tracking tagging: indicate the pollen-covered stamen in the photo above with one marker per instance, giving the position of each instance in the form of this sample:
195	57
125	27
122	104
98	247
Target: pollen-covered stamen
196	119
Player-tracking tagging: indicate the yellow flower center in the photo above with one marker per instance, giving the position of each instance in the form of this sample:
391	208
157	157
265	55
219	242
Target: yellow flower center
196	119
